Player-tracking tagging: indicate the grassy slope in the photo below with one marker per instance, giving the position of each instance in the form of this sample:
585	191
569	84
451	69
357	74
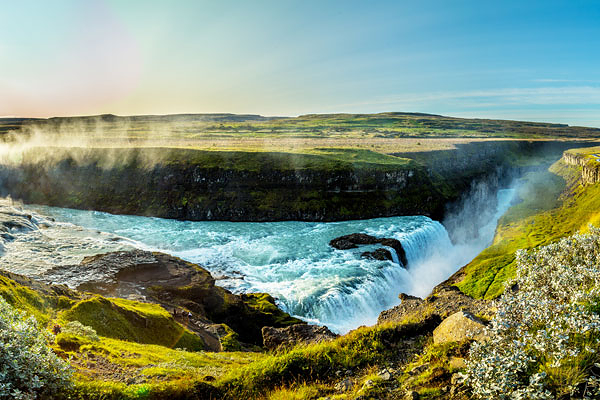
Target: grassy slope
319	159
132	321
120	368
554	205
135	339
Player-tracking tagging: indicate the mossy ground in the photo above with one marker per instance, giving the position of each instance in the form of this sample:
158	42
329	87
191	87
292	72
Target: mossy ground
132	321
26	299
124	368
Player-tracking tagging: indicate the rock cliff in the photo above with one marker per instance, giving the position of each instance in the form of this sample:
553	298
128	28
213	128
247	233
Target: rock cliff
589	164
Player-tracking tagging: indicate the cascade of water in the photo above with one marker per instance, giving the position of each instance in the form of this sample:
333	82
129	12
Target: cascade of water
419	243
394	254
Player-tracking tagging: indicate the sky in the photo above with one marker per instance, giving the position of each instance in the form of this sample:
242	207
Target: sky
524	60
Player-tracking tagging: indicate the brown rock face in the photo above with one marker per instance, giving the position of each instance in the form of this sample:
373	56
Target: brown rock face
274	338
175	284
444	301
458	327
379	254
353	240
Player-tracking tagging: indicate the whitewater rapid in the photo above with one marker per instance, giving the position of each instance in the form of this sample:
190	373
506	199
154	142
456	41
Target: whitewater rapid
290	260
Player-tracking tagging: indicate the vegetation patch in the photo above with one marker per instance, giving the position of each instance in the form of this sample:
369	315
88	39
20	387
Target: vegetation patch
318	362
543	341
26	299
29	369
134	321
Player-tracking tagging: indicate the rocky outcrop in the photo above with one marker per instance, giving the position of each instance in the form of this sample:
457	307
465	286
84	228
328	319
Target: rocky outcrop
176	285
274	338
13	220
445	300
458	327
353	240
41	287
589	163
379	254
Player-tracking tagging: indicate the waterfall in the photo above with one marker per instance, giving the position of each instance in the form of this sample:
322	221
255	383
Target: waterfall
355	301
290	260
395	258
419	243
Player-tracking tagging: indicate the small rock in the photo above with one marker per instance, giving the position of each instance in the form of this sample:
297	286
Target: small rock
368	384
404	296
419	369
385	375
344	385
274	338
457	363
412	395
458	327
456	379
348	372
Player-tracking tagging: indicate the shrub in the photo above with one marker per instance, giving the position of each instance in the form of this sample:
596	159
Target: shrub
29	369
78	329
544	339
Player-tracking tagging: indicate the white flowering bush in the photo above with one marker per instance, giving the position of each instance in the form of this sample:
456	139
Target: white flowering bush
78	329
29	369
544	339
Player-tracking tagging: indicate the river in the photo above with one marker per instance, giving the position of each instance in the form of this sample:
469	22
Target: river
290	260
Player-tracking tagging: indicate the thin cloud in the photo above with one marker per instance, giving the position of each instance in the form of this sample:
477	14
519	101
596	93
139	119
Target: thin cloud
565	80
571	95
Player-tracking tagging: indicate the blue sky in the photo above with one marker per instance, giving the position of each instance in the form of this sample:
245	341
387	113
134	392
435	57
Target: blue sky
525	60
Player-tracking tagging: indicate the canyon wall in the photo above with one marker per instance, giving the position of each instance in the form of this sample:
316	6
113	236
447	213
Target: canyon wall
238	186
589	164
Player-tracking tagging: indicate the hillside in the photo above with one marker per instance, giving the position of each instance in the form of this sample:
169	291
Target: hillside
382	125
394	359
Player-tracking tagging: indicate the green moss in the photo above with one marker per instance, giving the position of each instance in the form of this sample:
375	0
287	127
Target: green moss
70	342
169	373
300	392
264	304
23	298
86	389
230	341
133	321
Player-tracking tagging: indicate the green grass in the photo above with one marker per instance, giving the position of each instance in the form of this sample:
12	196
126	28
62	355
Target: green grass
317	363
167	373
25	299
318	159
133	321
387	125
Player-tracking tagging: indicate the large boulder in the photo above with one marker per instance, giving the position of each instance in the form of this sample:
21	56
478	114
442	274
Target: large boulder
379	254
274	338
458	327
353	240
